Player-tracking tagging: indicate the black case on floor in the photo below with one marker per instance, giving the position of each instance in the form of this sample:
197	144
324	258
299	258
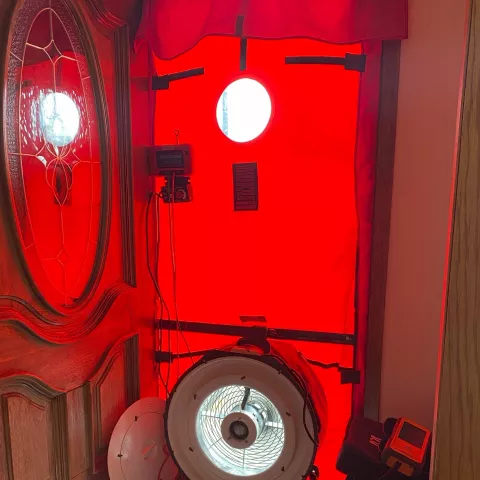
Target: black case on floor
359	457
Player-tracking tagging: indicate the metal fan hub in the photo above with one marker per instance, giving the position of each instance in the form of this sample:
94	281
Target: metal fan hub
242	427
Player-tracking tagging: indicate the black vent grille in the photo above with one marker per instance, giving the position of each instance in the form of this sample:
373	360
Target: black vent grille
245	186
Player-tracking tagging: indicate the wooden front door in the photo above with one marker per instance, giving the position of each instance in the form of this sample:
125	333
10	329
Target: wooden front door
76	306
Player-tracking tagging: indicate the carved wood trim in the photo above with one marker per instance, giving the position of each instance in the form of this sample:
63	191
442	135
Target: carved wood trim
29	386
121	39
22	315
38	393
103	16
124	128
128	347
132	370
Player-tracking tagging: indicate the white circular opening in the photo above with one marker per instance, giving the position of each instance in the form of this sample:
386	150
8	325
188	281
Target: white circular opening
240	430
59	118
244	110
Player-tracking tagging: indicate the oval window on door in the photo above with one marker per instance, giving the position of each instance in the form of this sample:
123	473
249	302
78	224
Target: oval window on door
54	155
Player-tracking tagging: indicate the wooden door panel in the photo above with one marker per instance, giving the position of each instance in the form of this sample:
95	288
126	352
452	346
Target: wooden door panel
68	371
113	387
29	427
62	366
50	434
34	426
77	427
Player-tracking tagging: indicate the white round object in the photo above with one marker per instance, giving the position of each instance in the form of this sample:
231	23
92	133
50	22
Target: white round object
244	110
203	453
59	118
137	448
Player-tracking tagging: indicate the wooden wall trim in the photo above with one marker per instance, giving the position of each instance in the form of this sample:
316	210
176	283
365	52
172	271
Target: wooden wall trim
386	135
60	437
124	128
457	429
6	436
121	37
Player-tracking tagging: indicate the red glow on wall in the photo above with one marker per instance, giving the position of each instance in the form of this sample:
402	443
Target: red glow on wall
292	261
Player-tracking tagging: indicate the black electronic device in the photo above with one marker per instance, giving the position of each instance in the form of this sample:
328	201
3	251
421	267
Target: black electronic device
170	160
177	189
407	447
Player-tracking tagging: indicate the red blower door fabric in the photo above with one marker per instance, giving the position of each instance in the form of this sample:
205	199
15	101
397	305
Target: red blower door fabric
174	26
303	259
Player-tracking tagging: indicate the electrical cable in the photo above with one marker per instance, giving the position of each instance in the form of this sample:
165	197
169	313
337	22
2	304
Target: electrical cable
173	256
393	470
157	257
158	332
167	457
305	405
304	393
171	222
156	285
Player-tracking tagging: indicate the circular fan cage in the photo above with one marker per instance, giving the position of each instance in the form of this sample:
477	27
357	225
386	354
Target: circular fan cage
236	415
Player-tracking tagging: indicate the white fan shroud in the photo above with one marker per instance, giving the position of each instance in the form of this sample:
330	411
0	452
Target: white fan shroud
136	449
182	408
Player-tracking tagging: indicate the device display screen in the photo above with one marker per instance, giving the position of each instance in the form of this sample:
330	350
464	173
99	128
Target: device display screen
169	159
413	435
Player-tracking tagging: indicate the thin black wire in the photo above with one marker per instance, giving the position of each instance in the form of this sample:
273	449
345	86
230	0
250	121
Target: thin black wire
305	405
394	469
173	257
157	288
304	393
162	302
171	226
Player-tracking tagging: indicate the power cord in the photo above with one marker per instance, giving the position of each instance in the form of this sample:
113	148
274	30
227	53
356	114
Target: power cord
173	257
304	393
153	277
393	470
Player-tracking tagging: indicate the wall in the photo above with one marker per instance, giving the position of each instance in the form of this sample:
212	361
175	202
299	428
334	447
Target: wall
430	81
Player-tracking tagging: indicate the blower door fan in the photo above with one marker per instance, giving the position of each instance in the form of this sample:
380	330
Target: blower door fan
238	415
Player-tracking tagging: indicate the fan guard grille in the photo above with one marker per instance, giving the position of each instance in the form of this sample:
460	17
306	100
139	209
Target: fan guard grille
257	458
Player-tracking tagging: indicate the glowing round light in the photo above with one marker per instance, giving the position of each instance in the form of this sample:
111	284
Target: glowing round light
244	110
240	441
59	118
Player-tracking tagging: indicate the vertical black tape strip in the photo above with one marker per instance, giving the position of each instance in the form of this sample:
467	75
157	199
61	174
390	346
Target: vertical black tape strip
243	42
243	54
245	186
239	26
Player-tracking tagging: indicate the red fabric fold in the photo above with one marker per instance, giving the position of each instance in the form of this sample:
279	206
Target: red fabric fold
174	26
